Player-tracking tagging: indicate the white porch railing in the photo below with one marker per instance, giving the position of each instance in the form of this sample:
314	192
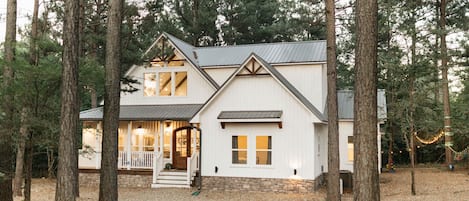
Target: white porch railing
137	159
192	165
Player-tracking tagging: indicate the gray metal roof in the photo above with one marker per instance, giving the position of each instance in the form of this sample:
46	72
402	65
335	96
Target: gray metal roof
146	112
272	53
188	51
345	103
273	114
291	88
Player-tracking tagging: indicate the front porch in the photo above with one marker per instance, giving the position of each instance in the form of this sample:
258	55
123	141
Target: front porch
147	146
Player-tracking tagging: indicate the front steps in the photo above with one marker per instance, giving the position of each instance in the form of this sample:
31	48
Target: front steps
171	179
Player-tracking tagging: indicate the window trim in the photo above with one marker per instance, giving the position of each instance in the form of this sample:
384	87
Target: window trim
166	69
238	149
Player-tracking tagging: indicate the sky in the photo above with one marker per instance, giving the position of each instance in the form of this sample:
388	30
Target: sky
25	8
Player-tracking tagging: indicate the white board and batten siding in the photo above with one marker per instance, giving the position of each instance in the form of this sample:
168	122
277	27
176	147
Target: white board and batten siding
292	146
198	89
309	80
220	74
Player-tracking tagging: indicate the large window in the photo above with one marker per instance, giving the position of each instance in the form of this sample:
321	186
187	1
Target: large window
149	84
350	148
263	150
173	83
239	147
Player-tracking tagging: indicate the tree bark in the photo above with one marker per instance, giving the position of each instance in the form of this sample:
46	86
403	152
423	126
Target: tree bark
333	173
19	168
67	160
366	178
108	180
6	141
25	111
444	75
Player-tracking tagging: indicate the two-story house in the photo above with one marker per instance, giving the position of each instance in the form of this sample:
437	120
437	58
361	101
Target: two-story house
254	114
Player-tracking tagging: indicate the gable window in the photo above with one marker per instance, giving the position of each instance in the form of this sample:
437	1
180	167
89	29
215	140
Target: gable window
149	84
239	147
263	150
350	148
165	84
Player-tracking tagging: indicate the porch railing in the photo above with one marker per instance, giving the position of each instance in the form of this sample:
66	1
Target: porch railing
192	165
135	159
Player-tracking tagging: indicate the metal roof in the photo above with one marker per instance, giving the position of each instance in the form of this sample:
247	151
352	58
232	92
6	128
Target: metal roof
272	53
188	51
345	103
274	114
291	88
146	112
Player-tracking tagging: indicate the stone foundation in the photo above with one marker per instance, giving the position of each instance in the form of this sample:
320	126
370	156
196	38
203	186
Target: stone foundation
124	180
261	184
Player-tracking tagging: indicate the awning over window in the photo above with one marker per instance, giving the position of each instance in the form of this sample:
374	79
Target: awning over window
268	116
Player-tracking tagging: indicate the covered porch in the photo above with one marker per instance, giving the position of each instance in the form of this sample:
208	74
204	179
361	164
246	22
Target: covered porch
160	141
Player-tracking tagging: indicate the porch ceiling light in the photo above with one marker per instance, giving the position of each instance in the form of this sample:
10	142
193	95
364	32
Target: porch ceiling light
167	128
140	130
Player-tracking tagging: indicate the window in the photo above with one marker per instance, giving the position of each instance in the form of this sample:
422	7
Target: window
239	149
148	143
181	83
350	148
165	84
149	84
263	150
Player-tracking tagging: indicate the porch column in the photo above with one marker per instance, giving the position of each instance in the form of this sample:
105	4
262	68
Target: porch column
157	152
129	145
194	140
98	135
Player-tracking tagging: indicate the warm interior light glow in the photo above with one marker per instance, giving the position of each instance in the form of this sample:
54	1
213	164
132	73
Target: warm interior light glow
140	130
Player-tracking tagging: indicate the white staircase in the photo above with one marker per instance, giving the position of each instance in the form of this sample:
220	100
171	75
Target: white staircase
172	179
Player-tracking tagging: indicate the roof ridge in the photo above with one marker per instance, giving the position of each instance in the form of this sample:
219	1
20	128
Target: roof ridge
260	44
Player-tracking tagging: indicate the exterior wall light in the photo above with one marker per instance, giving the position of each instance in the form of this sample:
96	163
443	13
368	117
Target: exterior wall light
294	171
216	169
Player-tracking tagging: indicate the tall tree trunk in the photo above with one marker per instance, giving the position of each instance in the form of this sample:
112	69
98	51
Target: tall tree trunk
6	144
28	165
25	112
333	174
413	64
108	179
24	129
444	75
68	153
366	178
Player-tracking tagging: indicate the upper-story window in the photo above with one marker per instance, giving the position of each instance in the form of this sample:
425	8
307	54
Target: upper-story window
170	79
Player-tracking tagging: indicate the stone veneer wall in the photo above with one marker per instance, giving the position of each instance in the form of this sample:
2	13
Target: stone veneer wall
123	180
261	184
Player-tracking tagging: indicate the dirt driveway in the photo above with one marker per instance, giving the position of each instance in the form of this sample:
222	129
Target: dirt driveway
431	184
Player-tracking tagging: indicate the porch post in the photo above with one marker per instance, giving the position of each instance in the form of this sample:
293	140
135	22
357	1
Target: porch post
156	152
129	145
194	139
161	137
98	135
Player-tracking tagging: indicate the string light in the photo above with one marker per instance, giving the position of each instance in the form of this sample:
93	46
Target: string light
431	140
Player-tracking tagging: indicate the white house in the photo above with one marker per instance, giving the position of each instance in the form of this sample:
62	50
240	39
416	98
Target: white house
254	115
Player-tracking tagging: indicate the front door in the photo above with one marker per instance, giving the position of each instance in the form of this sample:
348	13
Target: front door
181	147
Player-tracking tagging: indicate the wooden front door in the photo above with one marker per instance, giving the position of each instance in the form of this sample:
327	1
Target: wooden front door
181	147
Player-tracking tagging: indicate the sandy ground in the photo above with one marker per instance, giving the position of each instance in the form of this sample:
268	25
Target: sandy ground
431	184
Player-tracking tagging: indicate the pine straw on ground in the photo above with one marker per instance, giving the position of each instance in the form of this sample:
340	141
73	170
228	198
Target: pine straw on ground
431	184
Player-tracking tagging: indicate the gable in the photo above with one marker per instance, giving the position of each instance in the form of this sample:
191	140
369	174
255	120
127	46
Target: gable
255	66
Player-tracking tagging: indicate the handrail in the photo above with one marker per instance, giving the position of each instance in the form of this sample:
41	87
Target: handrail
192	165
158	166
